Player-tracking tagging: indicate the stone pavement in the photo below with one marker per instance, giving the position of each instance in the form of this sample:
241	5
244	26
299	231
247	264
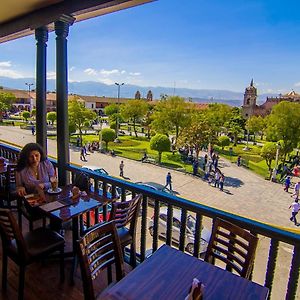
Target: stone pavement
245	193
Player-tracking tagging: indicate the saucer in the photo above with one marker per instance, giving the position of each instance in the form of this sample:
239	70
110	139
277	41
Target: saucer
50	191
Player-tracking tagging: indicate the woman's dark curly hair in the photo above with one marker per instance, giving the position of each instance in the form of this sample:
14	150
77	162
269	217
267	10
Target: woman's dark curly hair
25	152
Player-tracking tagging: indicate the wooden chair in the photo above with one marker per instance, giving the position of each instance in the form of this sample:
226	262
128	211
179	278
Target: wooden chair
8	193
232	245
98	250
26	249
126	213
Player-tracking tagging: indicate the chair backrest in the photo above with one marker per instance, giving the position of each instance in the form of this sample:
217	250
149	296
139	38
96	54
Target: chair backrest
97	250
126	212
11	232
82	180
11	177
232	245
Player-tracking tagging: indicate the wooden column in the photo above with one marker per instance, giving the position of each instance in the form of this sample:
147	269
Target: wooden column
41	36
63	155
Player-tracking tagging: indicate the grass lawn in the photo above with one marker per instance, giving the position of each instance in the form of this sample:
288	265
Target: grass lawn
252	157
134	148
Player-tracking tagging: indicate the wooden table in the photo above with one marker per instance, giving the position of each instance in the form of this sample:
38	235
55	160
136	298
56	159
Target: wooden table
61	208
168	275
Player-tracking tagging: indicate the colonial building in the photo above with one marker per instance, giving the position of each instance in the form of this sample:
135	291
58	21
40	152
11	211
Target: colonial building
250	108
25	102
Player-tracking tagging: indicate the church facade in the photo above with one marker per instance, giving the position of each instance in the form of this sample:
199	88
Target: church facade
250	107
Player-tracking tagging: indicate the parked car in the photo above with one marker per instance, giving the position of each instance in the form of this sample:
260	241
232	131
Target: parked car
155	186
190	230
95	169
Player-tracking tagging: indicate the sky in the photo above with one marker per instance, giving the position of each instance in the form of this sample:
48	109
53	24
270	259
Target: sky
197	44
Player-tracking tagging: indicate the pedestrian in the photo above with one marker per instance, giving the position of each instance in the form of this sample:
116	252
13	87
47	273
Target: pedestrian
296	190
169	181
222	179
195	167
217	178
205	161
295	209
78	141
239	161
121	168
216	162
287	184
82	154
32	130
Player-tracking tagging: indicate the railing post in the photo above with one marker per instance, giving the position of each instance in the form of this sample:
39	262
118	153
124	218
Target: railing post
273	252
294	274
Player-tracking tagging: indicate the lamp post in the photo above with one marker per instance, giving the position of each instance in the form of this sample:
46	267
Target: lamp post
117	121
29	89
277	154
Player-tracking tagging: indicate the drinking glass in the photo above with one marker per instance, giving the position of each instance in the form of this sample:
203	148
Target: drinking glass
54	183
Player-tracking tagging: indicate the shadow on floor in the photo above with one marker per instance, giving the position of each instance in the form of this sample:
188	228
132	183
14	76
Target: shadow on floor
233	182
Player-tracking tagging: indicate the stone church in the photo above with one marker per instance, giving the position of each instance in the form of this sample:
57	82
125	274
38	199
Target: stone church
250	108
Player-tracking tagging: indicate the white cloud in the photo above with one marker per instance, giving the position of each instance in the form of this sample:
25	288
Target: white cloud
106	80
297	84
10	73
135	73
110	72
90	71
51	75
72	68
5	64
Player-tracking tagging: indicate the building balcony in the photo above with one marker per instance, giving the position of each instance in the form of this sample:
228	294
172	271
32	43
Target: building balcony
277	261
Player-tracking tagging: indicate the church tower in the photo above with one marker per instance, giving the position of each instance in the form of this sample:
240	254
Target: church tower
249	104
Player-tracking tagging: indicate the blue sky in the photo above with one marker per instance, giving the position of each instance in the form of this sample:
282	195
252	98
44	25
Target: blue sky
197	44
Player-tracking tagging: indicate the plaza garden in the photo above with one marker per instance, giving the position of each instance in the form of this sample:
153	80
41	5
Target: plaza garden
161	130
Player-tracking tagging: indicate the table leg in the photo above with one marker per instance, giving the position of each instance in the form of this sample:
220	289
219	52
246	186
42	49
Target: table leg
75	237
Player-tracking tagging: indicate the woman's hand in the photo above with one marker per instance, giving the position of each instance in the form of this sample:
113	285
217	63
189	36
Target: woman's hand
41	185
21	191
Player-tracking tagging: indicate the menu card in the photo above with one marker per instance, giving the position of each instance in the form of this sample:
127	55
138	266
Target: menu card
52	206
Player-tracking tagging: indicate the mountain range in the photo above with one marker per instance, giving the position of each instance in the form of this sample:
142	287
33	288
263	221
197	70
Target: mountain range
94	88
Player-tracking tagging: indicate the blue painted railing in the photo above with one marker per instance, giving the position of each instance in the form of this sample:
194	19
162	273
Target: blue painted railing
273	265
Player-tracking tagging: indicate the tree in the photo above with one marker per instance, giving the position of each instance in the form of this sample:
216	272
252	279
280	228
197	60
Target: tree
108	135
254	124
284	124
79	114
72	129
224	140
268	152
33	112
134	110
197	134
51	116
171	114
6	99
236	124
160	143
219	114
26	115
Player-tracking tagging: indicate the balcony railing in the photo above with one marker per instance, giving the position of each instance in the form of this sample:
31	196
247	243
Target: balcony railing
277	262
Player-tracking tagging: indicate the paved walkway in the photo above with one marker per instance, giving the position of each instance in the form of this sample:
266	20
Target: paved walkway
245	193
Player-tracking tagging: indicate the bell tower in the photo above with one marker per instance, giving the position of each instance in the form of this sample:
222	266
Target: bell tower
250	97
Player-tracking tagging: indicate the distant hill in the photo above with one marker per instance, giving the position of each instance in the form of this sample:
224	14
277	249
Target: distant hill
94	88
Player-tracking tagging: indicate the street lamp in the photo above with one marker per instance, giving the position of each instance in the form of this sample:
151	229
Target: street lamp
29	89
117	121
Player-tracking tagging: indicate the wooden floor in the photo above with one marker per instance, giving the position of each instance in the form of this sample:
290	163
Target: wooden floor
42	278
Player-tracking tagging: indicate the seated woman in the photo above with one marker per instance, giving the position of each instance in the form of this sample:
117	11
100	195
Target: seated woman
34	170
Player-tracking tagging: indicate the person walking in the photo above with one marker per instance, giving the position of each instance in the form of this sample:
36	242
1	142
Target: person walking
217	178
295	206
169	181
239	161
287	184
82	154
296	190
32	130
222	179
121	168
